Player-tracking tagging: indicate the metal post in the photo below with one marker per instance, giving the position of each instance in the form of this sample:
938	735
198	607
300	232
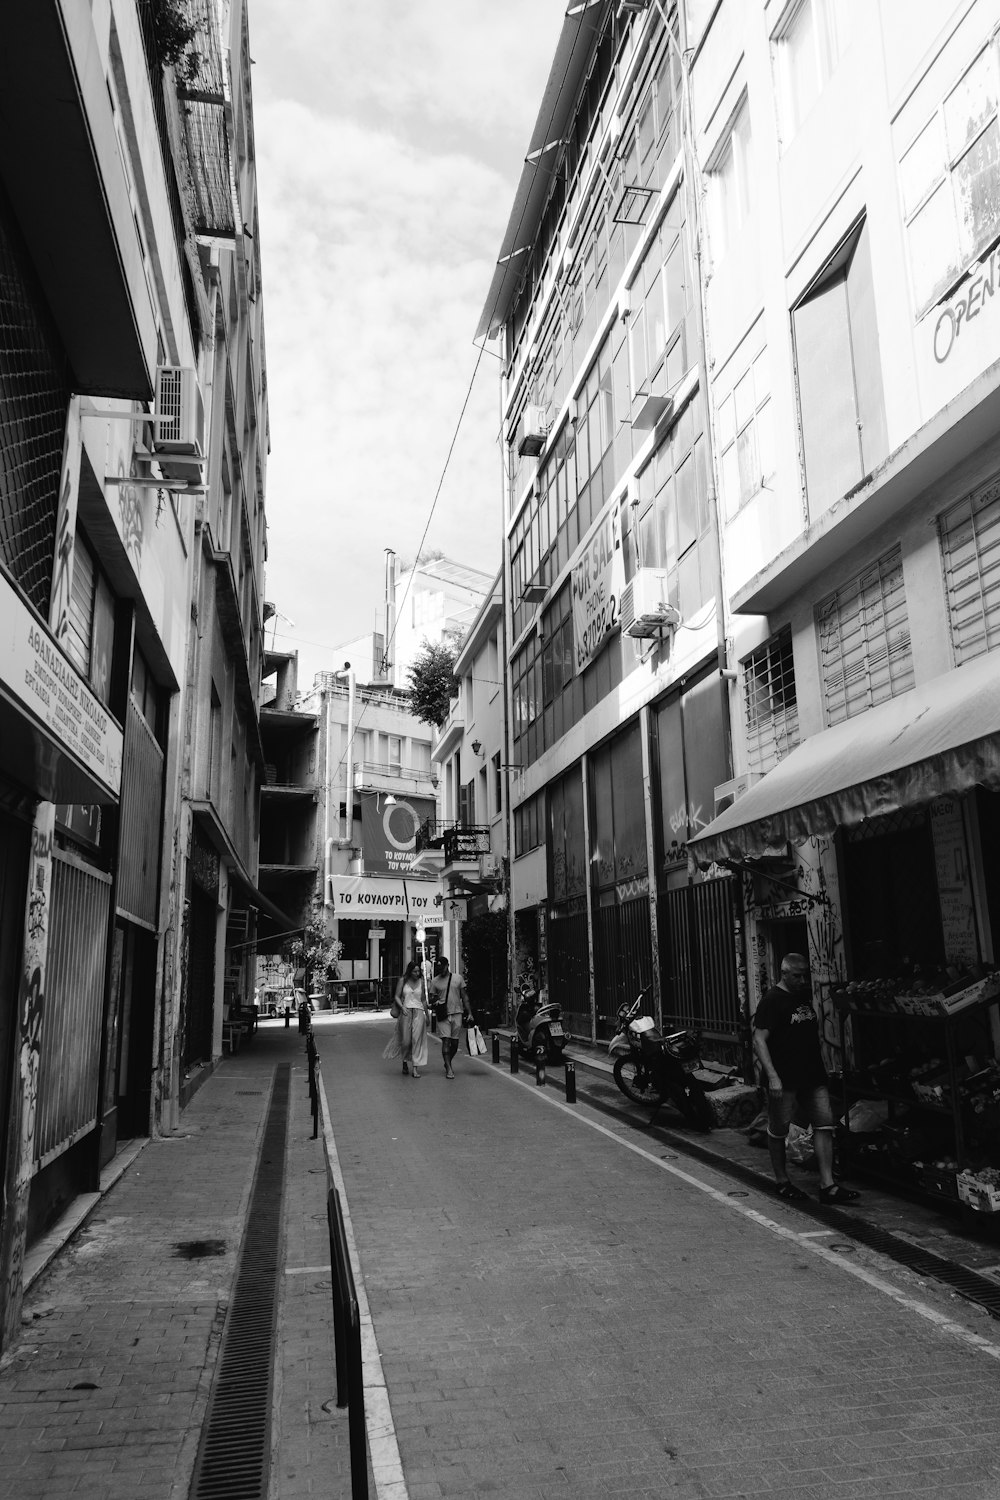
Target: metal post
347	1343
570	1083
540	1074
496	1047
514	1064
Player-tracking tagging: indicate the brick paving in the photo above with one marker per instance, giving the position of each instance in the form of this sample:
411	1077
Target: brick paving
555	1313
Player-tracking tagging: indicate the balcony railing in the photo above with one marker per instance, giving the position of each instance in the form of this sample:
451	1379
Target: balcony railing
364	769
458	841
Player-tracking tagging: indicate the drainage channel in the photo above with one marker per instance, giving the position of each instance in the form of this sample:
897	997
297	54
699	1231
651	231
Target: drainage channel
981	1290
233	1460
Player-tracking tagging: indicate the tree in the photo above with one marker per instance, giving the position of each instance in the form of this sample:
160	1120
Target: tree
433	683
313	950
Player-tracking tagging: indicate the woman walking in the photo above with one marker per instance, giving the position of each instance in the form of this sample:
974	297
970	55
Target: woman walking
411	996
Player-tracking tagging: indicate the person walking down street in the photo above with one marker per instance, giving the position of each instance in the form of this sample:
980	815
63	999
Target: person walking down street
410	1038
786	1041
450	1000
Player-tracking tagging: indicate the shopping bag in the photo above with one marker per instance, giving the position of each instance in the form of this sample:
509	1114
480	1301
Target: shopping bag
476	1042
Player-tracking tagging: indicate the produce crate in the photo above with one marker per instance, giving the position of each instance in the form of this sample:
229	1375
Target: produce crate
935	1180
983	1196
947	1002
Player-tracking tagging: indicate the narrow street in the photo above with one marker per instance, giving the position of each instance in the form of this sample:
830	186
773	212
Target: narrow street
562	1306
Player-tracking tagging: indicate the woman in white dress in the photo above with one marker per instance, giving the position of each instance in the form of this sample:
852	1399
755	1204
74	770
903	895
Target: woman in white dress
410	1040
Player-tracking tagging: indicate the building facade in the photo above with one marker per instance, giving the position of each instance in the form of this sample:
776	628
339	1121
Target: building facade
615	613
851	157
106	357
376	787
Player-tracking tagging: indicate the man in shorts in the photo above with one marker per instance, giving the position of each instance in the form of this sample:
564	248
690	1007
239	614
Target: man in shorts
786	1041
450	1000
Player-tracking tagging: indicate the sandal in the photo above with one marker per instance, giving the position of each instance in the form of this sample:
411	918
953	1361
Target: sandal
837	1193
790	1192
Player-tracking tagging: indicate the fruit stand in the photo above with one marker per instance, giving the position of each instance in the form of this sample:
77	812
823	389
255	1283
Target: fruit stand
922	1048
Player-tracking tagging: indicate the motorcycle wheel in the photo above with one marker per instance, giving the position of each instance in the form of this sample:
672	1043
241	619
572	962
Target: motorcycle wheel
693	1104
635	1082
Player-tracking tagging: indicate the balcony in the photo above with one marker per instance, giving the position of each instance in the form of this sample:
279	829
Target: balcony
373	776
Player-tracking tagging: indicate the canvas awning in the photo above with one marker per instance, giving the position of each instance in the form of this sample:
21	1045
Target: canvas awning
943	736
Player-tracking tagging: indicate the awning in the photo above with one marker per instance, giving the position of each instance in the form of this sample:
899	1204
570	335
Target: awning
943	736
580	31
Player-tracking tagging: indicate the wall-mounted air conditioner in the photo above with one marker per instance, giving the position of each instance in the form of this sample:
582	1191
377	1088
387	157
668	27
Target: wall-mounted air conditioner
728	792
531	432
179	430
645	610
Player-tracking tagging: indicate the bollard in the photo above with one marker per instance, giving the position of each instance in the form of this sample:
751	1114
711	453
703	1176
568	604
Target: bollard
514	1064
496	1047
570	1083
288	1017
540	1074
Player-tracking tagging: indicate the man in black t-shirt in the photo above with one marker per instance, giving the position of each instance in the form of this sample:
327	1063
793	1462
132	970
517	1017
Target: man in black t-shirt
786	1041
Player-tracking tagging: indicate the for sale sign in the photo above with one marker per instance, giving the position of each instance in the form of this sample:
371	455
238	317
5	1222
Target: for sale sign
598	580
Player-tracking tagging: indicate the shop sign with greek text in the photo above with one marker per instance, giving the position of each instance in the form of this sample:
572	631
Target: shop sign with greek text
40	677
361	896
597	583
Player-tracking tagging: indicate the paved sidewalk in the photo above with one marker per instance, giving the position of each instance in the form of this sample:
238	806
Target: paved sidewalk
104	1396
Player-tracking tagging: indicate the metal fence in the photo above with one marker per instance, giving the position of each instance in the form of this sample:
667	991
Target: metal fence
698	958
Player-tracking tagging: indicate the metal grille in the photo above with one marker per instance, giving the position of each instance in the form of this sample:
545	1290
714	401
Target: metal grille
770	704
70	1069
34	397
864	637
569	965
970	543
141	809
234	1454
698	958
623	955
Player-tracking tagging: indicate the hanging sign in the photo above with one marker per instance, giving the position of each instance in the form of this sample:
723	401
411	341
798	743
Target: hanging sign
597	583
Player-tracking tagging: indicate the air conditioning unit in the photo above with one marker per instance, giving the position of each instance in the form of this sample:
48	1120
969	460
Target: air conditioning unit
179	430
645	610
531	432
489	866
727	792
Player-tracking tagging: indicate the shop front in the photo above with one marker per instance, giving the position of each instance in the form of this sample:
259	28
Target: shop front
382	923
872	848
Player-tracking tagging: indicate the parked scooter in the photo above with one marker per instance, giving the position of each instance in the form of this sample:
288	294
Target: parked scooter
654	1069
538	1025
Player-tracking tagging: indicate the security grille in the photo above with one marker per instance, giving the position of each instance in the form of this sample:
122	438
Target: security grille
770	704
34	397
970	547
864	636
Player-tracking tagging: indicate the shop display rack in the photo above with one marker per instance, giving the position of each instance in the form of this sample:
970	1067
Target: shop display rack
941	1093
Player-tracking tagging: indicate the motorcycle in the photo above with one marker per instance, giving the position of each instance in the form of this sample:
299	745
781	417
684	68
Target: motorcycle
653	1069
538	1026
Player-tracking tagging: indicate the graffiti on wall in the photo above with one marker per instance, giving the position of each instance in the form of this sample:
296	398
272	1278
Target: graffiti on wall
31	1005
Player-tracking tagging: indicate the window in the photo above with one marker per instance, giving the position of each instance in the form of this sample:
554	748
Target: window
864	641
497	785
970	549
771	712
467	804
529	825
839	373
730	176
948	180
808	46
745	436
90	622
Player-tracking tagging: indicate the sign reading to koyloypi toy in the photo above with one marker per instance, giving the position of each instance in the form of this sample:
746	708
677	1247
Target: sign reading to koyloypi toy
598	580
389	831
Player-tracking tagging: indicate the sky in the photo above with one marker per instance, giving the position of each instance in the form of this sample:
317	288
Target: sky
390	136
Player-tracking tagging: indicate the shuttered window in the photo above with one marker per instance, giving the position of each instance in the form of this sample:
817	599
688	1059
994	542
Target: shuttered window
770	704
970	548
81	610
864	638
